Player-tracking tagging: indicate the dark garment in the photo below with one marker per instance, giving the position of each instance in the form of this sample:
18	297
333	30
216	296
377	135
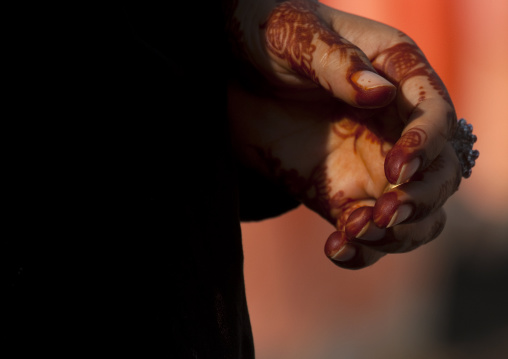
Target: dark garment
124	194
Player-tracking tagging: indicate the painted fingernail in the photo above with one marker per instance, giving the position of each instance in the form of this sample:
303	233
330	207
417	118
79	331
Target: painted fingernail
408	170
370	232
358	221
344	254
360	225
401	214
369	80
337	248
373	90
385	208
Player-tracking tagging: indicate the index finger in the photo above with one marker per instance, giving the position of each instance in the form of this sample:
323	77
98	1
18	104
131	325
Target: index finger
424	105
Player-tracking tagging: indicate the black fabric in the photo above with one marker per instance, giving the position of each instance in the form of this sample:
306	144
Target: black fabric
260	197
122	234
127	235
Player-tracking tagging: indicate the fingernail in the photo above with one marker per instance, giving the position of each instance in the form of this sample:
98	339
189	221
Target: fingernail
401	214
369	80
360	225
370	232
408	170
358	221
385	208
344	254
337	248
373	90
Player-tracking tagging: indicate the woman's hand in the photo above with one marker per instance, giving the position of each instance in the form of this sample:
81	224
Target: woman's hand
349	116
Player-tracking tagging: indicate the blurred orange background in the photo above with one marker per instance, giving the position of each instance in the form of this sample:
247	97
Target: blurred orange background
444	300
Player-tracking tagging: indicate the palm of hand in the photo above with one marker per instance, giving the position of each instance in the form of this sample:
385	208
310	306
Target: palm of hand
327	154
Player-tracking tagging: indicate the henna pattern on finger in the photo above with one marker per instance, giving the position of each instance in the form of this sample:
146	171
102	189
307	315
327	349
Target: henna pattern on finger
357	221
373	131
400	63
409	146
341	208
388	204
405	61
415	137
348	128
291	32
385	208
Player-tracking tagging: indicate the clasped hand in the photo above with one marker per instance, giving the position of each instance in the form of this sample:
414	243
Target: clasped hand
348	115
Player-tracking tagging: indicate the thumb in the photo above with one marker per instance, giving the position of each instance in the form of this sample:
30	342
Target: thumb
299	41
363	87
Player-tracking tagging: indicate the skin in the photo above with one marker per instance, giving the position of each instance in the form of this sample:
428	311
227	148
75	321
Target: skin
349	117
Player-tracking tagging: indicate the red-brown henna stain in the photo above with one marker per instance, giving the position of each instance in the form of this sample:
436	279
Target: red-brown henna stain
423	209
357	221
340	209
421	95
347	128
409	146
405	61
385	208
388	203
399	64
368	97
291	32
334	242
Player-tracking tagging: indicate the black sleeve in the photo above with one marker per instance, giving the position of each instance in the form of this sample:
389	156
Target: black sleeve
260	198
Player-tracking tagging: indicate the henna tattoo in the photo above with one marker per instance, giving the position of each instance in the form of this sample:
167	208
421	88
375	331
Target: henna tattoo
291	32
334	242
385	208
409	146
422	94
387	204
357	221
405	61
347	128
340	209
413	138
